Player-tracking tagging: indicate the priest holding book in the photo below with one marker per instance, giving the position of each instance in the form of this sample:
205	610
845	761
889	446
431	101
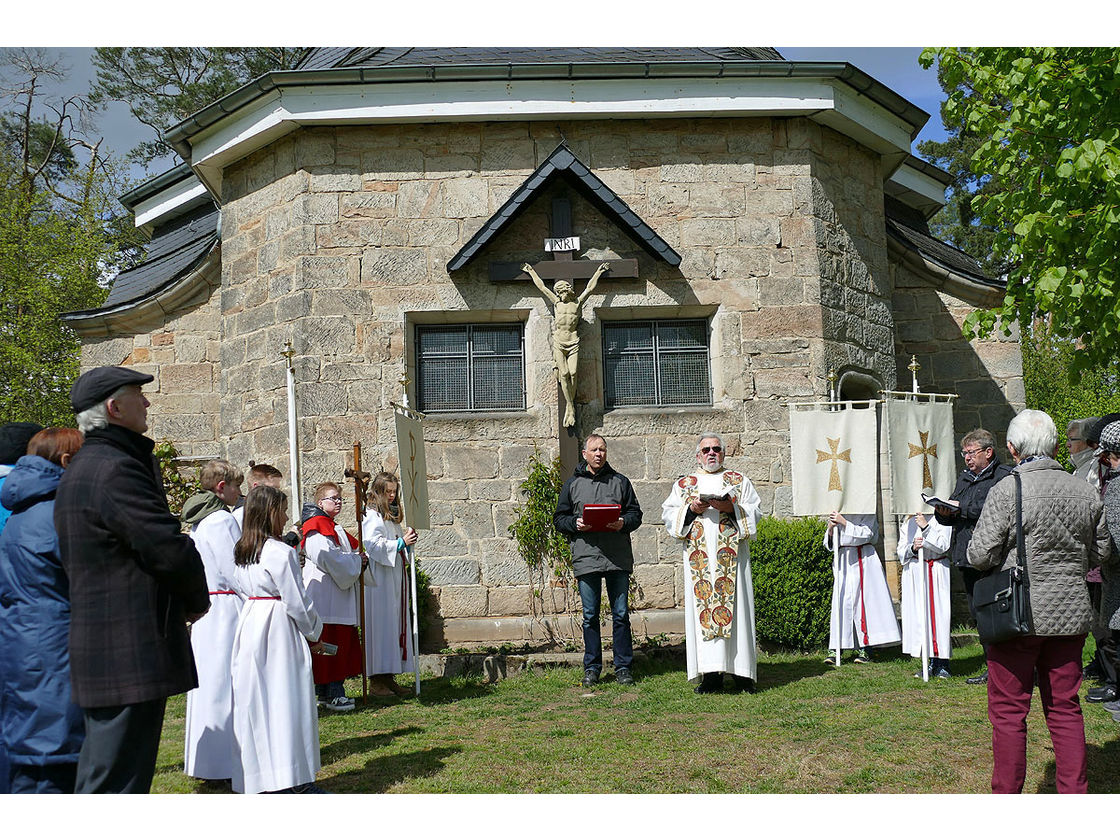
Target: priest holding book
714	511
597	510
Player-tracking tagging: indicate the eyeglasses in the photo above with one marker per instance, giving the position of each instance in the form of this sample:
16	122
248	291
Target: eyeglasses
707	449
966	452
336	499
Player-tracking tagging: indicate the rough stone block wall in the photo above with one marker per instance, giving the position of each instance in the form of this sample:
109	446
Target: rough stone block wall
338	239
183	353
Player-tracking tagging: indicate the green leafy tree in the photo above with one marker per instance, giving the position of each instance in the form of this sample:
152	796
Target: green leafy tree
61	237
1048	123
164	85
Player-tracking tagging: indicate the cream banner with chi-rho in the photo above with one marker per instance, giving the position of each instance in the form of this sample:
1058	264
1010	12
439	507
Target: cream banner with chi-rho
920	441
835	460
414	472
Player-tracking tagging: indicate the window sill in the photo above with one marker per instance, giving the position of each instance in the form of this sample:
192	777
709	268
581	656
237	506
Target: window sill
457	416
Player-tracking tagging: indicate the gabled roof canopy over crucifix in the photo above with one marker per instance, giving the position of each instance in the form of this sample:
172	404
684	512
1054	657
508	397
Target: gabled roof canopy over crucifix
562	163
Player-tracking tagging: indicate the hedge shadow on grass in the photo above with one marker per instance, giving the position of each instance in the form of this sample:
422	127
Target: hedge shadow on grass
380	774
1101	768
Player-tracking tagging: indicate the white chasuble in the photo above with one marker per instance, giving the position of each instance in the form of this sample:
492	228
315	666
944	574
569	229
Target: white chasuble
208	751
925	588
866	612
719	595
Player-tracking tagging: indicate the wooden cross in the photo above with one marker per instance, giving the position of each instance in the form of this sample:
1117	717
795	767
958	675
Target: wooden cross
834	456
562	244
926	452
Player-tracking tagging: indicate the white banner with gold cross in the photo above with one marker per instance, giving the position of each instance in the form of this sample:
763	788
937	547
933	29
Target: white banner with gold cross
835	459
920	441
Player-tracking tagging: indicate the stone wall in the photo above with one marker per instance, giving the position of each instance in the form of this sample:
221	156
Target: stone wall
183	354
338	239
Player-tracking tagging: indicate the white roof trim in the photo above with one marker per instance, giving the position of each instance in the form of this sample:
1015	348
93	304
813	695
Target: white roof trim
916	181
165	202
827	100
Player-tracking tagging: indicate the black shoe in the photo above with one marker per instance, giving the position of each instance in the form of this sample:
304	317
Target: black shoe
744	684
590	678
710	683
982	679
1102	694
622	676
1092	672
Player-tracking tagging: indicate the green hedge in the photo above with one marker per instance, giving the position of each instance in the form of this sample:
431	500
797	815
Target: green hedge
792	574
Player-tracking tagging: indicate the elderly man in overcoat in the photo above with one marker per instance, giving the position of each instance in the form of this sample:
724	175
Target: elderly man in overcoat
135	582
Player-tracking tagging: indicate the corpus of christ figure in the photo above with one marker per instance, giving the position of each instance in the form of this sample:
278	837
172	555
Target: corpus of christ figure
565	331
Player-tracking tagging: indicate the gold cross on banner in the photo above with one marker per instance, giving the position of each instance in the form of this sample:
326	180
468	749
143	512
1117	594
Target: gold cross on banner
834	456
926	451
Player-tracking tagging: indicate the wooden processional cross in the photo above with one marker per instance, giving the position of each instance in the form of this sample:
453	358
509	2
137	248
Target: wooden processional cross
562	245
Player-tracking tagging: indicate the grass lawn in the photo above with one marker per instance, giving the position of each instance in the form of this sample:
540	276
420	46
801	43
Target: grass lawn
810	729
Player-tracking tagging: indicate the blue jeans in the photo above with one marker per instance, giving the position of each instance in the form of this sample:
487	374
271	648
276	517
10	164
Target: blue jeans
590	591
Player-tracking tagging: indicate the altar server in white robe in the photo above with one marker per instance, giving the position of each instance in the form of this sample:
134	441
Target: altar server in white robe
389	646
866	614
275	718
925	590
208	751
719	600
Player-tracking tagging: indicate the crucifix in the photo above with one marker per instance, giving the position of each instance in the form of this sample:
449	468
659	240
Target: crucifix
565	270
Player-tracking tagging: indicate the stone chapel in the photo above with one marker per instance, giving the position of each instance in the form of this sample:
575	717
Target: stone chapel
764	221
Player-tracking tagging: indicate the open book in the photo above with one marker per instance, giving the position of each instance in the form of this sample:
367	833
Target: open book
933	501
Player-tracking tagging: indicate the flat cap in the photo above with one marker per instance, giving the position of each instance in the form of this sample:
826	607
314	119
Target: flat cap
1110	437
96	385
14	438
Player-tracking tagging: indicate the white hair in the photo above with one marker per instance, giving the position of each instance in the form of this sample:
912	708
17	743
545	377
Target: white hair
1032	432
708	436
97	416
1080	427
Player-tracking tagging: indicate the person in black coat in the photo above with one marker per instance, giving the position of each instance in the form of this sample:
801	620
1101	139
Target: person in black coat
601	556
135	582
982	471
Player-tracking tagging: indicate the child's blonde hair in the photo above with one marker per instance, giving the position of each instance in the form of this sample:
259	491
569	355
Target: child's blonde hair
215	471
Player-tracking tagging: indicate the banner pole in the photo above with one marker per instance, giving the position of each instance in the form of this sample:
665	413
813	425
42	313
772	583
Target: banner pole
926	595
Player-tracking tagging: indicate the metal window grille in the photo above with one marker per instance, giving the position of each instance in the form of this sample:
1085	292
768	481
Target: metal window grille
470	367
656	363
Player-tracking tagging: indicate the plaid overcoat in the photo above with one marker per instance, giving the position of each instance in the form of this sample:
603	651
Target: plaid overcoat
134	576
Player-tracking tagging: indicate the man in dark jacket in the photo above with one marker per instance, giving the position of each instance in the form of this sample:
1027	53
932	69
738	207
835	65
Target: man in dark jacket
135	582
601	554
982	470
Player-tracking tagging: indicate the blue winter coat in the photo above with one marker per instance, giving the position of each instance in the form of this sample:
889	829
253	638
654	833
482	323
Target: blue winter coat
38	721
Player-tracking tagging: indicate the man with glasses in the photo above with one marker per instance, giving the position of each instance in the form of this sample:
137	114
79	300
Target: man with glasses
982	470
714	511
601	553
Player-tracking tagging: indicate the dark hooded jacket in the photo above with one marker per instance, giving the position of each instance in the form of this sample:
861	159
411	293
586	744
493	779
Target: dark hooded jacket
598	551
39	721
971	491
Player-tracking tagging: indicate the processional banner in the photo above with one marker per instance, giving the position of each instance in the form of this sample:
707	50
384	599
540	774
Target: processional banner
835	459
920	441
414	472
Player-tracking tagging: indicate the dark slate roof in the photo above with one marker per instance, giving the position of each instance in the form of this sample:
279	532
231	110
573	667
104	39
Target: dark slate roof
325	58
176	248
909	226
563	164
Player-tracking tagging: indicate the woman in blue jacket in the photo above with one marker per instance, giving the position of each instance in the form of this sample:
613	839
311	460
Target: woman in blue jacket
40	726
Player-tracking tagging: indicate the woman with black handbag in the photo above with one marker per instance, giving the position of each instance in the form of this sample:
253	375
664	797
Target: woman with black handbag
1058	522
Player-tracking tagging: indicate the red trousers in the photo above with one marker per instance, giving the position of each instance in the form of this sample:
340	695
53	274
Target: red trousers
1011	670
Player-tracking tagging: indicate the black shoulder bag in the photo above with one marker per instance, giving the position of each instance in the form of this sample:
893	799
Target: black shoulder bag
1002	598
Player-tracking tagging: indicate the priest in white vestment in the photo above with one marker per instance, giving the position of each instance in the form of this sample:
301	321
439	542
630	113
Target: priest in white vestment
862	614
925	590
209	751
714	511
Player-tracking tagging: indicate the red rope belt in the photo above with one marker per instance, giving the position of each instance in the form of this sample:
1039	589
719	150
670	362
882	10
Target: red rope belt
862	606
932	616
223	592
264	597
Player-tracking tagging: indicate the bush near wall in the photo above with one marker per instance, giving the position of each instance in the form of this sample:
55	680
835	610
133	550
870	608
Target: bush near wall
792	574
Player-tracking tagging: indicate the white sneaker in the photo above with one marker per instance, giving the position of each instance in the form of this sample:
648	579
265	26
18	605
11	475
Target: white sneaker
338	704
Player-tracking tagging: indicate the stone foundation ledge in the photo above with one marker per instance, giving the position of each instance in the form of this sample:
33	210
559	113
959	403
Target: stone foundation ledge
556	630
